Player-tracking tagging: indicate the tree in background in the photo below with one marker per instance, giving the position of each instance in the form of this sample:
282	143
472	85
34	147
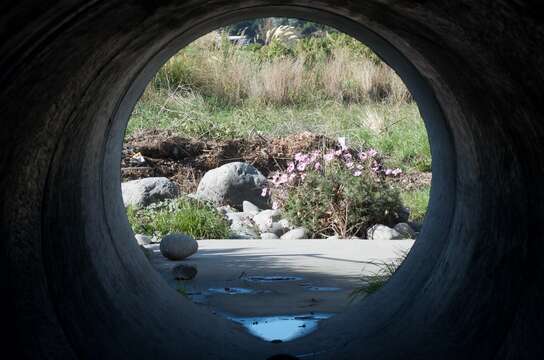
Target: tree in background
256	29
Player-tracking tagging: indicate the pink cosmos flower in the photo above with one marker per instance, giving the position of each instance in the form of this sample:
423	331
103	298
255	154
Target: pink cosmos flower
357	173
264	192
372	153
348	156
317	166
283	179
275	205
329	156
350	165
388	172
291	167
363	155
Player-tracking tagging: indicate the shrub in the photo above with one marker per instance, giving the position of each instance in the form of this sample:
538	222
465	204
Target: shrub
337	192
189	216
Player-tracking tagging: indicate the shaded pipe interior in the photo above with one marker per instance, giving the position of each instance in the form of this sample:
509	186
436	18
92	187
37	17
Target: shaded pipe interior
77	286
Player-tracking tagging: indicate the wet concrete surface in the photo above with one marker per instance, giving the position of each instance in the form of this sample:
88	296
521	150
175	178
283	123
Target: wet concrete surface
272	281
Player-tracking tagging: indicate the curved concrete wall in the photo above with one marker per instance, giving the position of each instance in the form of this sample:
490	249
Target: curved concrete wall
75	284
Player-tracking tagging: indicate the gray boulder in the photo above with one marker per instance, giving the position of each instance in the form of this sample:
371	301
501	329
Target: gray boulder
405	230
403	215
184	272
278	229
178	246
269	236
285	224
265	220
143	239
250	208
231	184
382	232
295	234
241	225
143	192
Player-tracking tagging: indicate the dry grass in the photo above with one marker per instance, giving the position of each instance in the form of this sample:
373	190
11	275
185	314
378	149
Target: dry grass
235	75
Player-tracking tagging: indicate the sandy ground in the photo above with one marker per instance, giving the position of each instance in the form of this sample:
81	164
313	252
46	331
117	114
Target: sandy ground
325	272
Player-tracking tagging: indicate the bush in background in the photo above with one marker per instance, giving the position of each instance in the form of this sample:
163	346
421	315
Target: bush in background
337	192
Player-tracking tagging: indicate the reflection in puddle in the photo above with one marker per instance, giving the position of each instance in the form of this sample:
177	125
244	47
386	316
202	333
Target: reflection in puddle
272	278
322	288
283	327
231	290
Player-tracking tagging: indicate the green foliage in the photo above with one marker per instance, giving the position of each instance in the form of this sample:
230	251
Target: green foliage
189	216
334	201
417	201
377	279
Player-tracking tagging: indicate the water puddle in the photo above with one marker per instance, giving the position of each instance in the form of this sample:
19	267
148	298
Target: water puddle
283	327
231	291
273	278
322	288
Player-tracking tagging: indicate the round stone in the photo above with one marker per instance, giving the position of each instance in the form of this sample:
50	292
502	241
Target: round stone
178	246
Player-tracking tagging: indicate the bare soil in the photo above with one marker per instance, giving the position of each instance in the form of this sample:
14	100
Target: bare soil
185	160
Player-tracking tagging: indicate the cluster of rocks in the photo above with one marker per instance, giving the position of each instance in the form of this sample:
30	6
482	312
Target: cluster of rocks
401	231
236	191
254	223
236	188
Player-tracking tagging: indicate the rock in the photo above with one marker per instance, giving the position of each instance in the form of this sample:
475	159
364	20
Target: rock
226	209
231	184
178	246
403	215
415	226
143	192
248	234
295	234
250	208
278	229
143	239
242	226
269	236
405	230
285	224
184	271
382	232
265	219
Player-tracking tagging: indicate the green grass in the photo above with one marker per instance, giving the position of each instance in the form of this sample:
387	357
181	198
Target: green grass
377	279
394	130
185	215
417	201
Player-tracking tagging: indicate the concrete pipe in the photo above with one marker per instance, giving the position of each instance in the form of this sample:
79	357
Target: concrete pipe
74	282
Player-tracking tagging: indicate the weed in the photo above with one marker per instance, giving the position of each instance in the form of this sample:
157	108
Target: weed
189	216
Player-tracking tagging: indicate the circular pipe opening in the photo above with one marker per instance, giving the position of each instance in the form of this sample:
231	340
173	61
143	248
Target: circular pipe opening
75	268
